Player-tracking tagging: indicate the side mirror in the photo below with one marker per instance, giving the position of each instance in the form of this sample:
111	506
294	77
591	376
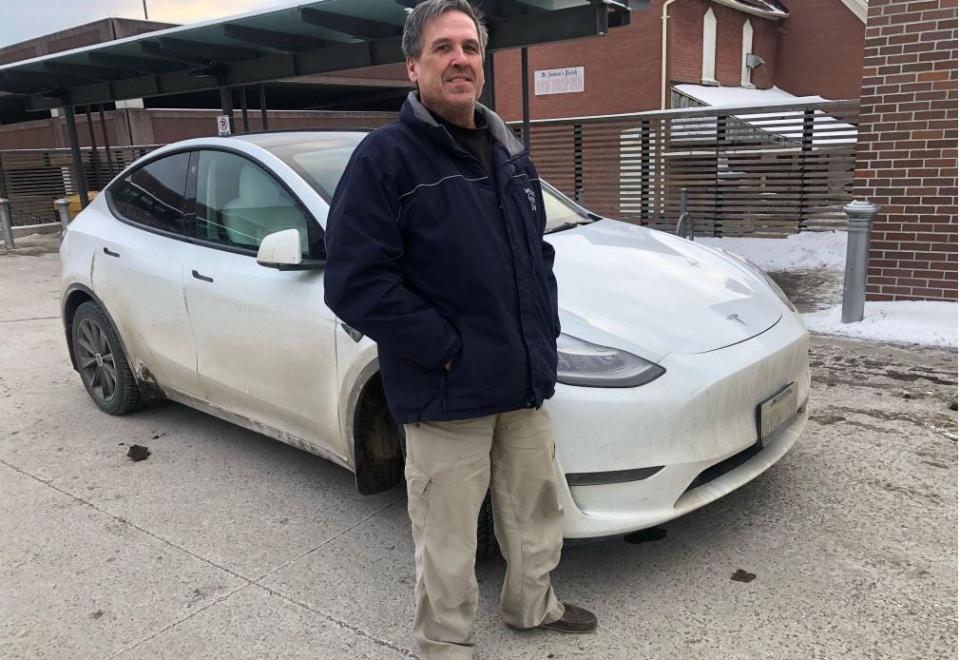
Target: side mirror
280	249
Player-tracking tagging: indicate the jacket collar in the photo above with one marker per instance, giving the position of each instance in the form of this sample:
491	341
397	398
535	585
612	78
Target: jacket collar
414	112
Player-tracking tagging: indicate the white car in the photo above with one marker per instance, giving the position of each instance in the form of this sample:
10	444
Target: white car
198	276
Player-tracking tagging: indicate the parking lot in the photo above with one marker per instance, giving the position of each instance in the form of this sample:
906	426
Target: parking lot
224	543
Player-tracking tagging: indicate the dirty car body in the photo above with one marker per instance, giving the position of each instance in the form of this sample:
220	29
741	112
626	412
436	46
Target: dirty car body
683	370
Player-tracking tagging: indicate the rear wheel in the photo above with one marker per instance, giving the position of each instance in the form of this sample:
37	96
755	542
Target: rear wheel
103	366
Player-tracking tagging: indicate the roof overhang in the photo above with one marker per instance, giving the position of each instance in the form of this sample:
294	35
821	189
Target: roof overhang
295	40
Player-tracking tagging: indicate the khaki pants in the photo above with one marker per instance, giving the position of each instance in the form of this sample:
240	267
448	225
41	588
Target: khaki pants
449	467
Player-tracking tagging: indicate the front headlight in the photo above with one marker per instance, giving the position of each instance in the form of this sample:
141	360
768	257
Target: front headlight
589	365
769	280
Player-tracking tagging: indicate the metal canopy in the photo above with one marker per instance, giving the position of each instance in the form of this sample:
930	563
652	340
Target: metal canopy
296	40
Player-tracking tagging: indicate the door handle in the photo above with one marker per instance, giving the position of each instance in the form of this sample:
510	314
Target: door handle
110	254
202	277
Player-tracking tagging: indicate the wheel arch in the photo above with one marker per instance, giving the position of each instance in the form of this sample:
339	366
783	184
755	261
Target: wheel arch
76	295
374	435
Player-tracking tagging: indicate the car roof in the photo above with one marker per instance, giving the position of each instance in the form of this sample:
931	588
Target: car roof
271	139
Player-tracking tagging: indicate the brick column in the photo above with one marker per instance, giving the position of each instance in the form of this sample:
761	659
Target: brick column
907	148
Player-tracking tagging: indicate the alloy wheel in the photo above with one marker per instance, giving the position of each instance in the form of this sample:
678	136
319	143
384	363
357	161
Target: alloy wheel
98	366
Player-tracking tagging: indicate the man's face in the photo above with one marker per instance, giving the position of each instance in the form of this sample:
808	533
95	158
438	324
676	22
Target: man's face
449	71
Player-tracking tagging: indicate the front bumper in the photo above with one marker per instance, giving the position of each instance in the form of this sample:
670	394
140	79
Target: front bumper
700	414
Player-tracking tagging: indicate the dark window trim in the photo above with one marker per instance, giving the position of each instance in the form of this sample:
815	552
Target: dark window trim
191	200
123	176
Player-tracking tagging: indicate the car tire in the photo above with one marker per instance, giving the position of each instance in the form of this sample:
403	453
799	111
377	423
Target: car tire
486	539
102	362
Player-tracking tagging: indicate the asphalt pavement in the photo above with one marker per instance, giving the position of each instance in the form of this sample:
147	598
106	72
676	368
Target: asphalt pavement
226	544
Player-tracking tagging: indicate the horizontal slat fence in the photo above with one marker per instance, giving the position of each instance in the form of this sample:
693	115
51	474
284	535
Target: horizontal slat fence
771	170
32	178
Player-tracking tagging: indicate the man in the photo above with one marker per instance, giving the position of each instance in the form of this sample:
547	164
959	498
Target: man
436	251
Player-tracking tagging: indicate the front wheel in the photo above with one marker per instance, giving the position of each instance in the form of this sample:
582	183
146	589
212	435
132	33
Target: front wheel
101	361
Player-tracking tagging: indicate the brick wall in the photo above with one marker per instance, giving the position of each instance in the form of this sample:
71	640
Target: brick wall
622	69
907	148
821	50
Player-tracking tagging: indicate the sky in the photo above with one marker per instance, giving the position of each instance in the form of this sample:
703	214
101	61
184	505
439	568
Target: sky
24	19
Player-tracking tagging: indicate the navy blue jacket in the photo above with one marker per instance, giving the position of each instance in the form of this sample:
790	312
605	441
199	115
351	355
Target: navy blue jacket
436	261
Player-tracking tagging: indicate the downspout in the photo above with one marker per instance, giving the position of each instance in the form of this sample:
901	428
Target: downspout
663	55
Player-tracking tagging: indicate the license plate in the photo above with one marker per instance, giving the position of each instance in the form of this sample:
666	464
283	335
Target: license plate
776	411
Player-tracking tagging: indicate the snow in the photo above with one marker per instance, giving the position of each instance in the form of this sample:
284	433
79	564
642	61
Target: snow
805	251
786	123
905	321
719	97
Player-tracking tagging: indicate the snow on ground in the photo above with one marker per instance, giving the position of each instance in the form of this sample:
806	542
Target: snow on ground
908	321
904	321
805	251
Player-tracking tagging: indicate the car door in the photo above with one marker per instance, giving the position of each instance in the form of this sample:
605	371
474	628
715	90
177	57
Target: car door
137	272
265	338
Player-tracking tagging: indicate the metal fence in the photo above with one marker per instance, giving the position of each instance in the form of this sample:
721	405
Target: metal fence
769	170
32	178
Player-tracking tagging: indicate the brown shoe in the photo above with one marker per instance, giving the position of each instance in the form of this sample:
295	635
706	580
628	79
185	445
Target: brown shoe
574	620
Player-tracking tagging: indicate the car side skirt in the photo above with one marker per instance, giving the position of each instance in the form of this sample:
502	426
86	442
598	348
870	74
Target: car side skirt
255	426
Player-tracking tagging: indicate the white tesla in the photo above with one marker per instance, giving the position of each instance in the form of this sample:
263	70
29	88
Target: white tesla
198	276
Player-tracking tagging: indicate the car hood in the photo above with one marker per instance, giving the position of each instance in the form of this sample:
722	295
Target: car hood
652	293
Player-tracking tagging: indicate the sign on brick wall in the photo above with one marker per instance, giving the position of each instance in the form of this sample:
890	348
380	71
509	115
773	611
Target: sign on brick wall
558	81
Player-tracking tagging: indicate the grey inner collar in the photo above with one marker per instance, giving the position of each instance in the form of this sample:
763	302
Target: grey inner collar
498	129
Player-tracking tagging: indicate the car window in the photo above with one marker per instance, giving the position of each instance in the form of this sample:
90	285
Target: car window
239	203
561	211
320	160
154	195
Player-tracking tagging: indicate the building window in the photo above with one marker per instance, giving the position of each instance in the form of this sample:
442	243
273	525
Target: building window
746	50
709	75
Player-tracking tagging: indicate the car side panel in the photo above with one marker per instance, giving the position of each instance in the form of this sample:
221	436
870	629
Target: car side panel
265	344
141	290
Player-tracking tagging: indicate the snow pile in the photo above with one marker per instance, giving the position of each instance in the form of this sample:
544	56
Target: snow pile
907	321
805	251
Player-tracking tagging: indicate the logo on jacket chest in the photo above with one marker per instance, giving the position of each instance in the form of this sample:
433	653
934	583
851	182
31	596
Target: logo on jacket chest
531	198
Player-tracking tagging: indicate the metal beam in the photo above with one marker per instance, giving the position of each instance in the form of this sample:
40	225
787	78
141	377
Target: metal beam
79	178
244	113
353	26
89	71
265	124
140	64
525	96
572	23
209	51
283	41
106	142
35	81
95	156
155	49
226	104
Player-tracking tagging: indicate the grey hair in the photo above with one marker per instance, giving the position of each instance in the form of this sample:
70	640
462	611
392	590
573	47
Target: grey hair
412	44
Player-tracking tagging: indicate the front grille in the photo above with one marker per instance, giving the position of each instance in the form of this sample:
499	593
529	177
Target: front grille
719	469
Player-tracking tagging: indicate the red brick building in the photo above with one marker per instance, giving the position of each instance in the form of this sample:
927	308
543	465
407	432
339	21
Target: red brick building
812	47
907	148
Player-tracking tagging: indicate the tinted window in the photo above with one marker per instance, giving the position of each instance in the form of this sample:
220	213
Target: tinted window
153	195
320	160
238	203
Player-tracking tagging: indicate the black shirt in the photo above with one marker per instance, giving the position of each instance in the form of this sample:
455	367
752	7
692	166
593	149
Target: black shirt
475	141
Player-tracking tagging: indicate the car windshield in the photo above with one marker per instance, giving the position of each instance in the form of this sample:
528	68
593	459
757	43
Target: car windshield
320	160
